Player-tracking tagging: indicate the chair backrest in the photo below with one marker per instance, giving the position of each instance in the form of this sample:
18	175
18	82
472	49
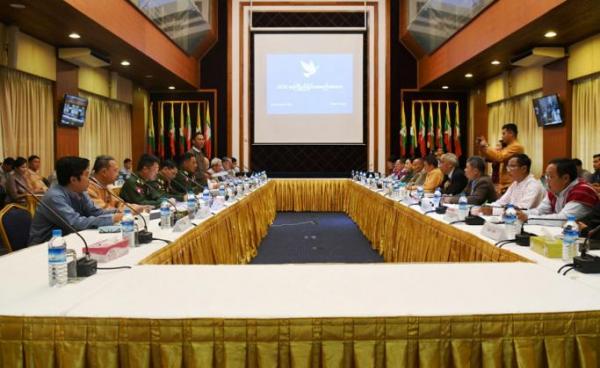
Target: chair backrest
15	222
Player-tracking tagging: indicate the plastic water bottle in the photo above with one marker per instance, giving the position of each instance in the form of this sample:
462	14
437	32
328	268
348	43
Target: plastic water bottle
128	227
165	215
57	259
420	193
463	207
206	197
222	191
437	197
191	204
570	235
510	221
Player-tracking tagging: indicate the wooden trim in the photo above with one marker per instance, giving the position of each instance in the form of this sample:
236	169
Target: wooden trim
376	87
388	89
229	81
215	122
241	90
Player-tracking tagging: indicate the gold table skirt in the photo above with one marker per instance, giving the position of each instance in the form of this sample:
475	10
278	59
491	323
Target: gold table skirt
398	233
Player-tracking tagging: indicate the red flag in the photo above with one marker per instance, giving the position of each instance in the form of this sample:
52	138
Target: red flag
161	130
403	137
172	132
207	133
438	131
413	131
447	129
187	131
422	146
457	145
430	139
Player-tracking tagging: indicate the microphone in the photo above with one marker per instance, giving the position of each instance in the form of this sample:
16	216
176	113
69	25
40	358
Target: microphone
143	236
524	238
86	266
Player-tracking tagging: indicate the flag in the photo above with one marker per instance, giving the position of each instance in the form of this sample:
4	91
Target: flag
413	131
181	144
161	130
457	145
187	131
438	131
207	133
430	141
172	132
422	147
403	137
447	129
150	132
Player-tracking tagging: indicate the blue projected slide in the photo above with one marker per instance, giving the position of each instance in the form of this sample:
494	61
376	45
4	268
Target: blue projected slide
309	84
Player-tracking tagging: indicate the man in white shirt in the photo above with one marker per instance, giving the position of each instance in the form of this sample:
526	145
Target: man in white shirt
567	195
525	192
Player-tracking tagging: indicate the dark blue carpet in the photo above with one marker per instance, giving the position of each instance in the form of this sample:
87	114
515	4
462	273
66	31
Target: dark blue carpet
314	237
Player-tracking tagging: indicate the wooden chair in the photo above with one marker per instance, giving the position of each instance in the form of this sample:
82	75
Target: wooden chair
31	204
15	222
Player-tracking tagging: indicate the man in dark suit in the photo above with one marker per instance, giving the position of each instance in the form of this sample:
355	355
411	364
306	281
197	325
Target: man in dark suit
480	188
455	180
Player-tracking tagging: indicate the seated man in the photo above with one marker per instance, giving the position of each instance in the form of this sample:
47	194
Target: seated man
228	167
581	172
398	171
184	180
36	181
105	172
136	188
525	192
595	179
125	172
5	170
70	200
164	180
434	176
216	170
480	187
455	180
418	174
17	180
567	195
236	168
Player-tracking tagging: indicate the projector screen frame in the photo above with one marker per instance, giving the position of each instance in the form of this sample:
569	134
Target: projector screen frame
365	85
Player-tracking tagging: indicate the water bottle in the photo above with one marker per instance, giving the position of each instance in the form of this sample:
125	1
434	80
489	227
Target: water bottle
437	197
57	259
510	221
463	207
222	191
191	204
420	193
165	215
128	227
570	235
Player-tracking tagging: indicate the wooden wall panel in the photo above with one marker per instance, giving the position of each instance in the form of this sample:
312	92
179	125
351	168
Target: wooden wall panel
66	139
139	116
557	140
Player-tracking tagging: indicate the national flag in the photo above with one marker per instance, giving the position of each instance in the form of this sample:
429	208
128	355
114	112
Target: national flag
207	134
172	132
422	146
403	137
430	142
161	130
413	131
457	145
187	131
438	131
150	132
447	129
181	144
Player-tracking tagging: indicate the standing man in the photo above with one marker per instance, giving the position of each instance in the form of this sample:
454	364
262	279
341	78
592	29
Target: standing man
512	148
200	175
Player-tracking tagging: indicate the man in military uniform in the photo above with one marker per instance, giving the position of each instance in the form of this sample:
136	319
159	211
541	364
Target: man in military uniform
200	174
136	188
185	181
164	181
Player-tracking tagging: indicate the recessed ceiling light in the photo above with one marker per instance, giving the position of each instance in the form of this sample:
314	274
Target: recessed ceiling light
148	76
468	75
171	87
125	63
17	6
495	62
74	36
444	87
550	34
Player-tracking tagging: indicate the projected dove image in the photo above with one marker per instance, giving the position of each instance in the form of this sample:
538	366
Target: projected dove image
309	84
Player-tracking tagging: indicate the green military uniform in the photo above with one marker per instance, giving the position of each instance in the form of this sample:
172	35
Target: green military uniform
183	183
164	186
138	191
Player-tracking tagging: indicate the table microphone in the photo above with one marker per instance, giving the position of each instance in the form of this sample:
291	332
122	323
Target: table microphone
143	236
524	238
86	266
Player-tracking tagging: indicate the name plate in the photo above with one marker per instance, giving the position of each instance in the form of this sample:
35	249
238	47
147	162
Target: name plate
494	231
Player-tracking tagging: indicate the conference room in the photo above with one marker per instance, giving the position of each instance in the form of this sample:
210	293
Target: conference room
361	183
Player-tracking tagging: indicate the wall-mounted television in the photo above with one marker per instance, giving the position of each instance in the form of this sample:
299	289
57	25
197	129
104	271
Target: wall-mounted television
73	111
548	111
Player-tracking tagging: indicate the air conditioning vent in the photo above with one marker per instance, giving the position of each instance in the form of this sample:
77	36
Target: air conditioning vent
538	56
84	57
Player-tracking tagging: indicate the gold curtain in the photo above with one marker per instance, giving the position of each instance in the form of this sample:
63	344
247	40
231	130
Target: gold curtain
586	120
26	117
107	129
519	110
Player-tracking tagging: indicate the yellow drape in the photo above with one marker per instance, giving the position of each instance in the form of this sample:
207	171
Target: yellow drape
26	117
586	120
107	129
519	110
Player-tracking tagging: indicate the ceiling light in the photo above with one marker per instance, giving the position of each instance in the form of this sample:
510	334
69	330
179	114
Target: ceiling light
468	75
444	87
125	63
74	36
17	6
171	87
550	34
148	76
495	62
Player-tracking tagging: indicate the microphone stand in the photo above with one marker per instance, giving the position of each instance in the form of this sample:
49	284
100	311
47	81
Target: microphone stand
86	266
143	236
524	238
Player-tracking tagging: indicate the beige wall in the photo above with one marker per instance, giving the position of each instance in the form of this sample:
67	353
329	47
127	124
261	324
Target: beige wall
514	83
584	58
30	55
94	80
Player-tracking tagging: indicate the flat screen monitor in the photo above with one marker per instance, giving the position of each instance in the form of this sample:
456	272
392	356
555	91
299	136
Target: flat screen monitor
73	111
547	111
